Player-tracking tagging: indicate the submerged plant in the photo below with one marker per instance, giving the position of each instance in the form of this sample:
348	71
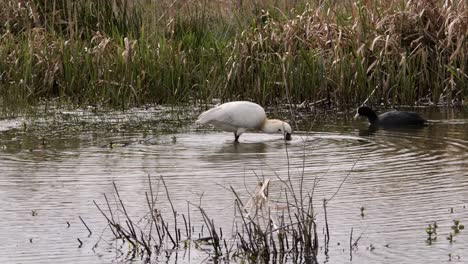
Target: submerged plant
431	231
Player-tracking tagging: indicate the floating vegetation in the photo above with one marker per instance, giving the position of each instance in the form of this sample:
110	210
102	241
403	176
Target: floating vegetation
431	231
456	227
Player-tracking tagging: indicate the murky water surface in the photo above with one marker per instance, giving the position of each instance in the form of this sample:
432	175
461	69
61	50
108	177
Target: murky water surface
52	168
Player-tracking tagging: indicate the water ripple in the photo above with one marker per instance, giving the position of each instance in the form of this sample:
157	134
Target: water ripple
404	180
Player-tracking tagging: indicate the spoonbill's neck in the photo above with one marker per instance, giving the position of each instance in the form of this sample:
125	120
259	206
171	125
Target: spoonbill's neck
271	125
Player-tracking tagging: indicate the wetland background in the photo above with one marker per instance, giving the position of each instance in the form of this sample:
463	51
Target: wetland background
96	92
127	53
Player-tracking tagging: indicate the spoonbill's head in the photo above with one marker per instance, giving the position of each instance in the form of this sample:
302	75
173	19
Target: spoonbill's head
275	126
282	127
286	130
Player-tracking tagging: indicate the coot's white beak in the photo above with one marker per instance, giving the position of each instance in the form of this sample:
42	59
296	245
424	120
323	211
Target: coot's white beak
356	116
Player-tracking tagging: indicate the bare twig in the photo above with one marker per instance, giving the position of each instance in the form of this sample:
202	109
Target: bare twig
343	181
79	241
351	245
327	236
89	230
174	213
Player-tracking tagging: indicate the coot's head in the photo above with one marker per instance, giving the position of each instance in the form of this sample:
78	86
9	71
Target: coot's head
367	112
364	111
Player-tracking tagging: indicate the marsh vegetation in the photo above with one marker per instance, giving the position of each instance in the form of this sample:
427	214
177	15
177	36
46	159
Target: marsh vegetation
263	229
121	53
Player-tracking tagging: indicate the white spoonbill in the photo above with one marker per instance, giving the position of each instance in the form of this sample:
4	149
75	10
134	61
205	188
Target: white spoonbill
240	116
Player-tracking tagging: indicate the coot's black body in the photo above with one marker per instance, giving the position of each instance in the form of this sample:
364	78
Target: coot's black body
393	119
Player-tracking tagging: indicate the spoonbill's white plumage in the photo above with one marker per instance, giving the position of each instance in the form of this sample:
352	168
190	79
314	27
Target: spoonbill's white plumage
241	116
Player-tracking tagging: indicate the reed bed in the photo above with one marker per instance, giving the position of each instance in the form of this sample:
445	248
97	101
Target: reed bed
264	230
121	53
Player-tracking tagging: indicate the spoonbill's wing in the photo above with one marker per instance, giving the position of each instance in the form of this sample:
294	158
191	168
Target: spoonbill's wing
237	114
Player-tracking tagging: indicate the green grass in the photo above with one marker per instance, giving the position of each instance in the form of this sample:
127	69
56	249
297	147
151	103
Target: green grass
121	53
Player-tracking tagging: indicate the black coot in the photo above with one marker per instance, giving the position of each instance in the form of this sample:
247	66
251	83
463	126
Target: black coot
393	119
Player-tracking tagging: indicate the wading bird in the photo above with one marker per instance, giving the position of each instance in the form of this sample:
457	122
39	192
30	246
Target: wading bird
240	116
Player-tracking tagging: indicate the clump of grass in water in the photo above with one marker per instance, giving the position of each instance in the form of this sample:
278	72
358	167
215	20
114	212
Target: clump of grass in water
263	230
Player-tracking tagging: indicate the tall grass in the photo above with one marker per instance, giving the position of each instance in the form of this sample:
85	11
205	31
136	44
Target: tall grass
411	52
123	53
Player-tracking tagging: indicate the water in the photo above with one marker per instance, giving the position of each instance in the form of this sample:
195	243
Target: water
54	167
